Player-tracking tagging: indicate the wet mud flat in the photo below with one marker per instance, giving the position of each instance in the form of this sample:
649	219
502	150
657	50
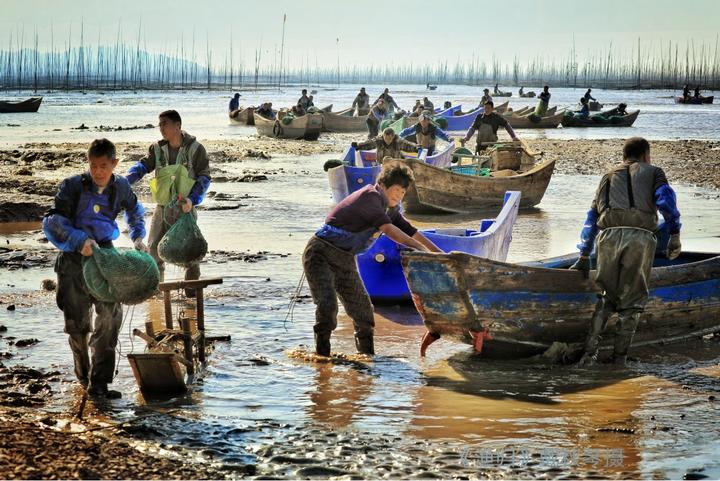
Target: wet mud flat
31	173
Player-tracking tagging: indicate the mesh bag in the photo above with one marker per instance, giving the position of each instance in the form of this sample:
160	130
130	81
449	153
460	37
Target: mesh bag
287	119
183	244
127	276
441	122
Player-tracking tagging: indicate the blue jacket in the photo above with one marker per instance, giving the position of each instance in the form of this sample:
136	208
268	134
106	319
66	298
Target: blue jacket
81	213
434	131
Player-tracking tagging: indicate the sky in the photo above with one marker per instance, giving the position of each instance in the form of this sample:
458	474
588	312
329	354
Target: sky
365	33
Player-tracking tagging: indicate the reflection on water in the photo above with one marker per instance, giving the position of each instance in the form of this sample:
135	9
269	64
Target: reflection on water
449	397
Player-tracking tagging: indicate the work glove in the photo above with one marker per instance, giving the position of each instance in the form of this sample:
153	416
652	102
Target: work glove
140	245
582	265
674	247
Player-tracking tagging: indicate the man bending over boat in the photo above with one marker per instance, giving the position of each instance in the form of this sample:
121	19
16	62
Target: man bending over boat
543	101
389	101
387	145
329	258
177	147
426	132
487	126
624	212
374	117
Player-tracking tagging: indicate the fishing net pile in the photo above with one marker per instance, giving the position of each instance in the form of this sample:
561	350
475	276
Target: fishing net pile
127	276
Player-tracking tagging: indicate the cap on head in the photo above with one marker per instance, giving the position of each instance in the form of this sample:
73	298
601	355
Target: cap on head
426	115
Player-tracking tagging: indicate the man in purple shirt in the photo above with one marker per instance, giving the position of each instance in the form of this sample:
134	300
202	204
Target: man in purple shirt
329	258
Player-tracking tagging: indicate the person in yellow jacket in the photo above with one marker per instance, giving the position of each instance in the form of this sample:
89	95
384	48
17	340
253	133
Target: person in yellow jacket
182	170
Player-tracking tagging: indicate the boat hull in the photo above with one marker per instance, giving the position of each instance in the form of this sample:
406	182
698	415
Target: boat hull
306	127
381	270
244	116
527	307
441	190
695	101
524	122
625	121
30	105
333	122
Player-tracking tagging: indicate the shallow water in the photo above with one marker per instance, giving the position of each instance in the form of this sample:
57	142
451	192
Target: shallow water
468	414
205	113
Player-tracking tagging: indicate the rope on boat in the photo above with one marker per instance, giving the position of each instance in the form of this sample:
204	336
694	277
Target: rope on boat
293	301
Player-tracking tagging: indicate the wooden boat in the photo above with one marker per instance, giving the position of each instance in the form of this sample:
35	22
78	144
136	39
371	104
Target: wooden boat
526	307
530	94
502	94
360	168
593	121
305	127
343	122
695	100
381	270
444	190
326	109
29	105
243	116
524	122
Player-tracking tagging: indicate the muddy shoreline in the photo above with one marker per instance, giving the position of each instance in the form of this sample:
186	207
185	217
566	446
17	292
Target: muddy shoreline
30	174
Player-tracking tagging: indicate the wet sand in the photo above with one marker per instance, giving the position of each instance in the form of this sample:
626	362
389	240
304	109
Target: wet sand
141	447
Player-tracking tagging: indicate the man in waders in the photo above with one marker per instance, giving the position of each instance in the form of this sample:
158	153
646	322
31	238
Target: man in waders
83	217
181	158
374	117
487	126
387	145
329	258
543	102
625	212
426	132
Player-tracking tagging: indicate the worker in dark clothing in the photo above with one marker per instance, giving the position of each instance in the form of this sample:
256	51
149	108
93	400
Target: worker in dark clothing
234	103
697	92
621	109
83	218
426	132
265	110
584	111
303	101
329	258
486	97
588	97
362	102
428	105
487	126
543	102
388	145
374	117
686	92
389	101
624	211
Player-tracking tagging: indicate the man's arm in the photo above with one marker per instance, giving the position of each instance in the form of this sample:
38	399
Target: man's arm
407	132
429	245
57	224
509	130
589	232
666	203
401	238
407	145
367	145
201	167
442	134
142	167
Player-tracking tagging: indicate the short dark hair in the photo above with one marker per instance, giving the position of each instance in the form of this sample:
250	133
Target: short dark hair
100	148
394	173
490	103
546	87
635	147
171	115
304	91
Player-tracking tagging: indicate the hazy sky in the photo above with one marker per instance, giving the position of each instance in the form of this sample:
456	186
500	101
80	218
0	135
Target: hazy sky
416	31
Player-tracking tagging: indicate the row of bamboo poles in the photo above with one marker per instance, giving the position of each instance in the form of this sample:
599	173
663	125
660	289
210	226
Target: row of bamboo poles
188	64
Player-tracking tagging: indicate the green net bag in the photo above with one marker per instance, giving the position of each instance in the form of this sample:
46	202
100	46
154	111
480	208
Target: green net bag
127	276
183	244
441	122
287	120
535	118
600	118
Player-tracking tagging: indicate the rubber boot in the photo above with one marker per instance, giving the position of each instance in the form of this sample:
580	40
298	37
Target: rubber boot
322	344
365	344
598	322
627	324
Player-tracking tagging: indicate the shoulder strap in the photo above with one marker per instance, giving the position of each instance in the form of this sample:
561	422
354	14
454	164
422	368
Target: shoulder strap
158	156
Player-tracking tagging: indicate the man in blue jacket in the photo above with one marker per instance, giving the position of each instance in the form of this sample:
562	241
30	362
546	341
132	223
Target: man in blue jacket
425	133
624	212
176	147
83	217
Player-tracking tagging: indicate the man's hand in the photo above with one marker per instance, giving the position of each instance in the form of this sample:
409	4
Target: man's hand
674	247
582	265
87	248
186	206
140	245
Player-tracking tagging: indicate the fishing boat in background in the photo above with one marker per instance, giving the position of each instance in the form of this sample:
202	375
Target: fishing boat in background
29	105
359	168
512	311
381	270
307	127
532	121
695	100
461	189
599	120
343	121
243	116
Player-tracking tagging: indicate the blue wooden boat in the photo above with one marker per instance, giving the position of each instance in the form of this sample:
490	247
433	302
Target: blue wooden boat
359	170
518	310
449	112
381	270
